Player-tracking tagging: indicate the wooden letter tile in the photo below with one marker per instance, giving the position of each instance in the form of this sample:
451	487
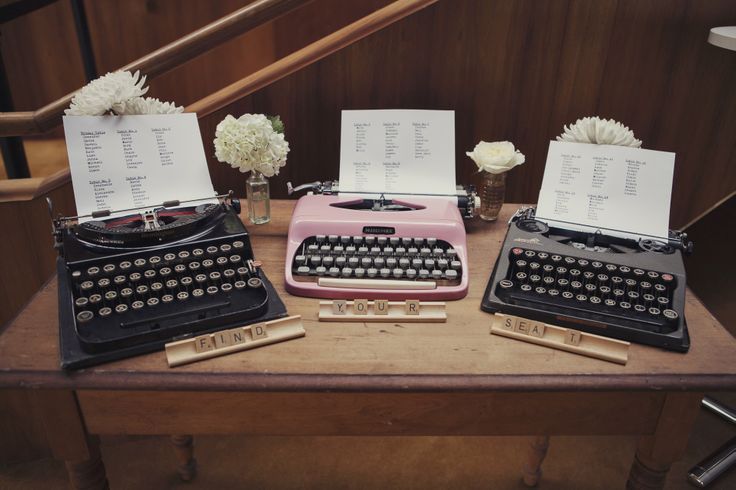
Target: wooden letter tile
339	307
203	343
238	335
522	326
411	307
572	337
258	331
537	329
380	307
509	323
223	338
360	306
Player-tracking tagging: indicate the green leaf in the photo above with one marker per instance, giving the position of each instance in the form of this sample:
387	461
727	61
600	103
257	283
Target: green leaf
276	123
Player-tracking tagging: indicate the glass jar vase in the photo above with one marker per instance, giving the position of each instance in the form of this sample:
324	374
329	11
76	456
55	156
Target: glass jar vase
492	194
259	199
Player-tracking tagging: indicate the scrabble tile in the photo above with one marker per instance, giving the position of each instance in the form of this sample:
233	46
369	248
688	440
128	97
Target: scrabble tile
380	307
238	335
360	307
223	338
411	307
258	331
537	329
203	343
509	322
339	307
572	337
523	325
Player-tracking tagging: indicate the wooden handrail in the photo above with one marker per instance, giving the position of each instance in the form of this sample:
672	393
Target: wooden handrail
308	55
159	61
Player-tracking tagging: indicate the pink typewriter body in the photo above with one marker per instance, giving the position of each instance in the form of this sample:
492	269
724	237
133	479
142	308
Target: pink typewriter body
431	218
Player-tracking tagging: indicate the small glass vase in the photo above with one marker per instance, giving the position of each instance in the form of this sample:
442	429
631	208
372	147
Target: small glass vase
492	193
259	198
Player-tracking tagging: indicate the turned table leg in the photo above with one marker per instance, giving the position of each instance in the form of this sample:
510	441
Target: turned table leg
536	452
656	453
69	441
184	450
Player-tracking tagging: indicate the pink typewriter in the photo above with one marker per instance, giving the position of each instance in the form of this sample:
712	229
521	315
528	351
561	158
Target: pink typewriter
409	247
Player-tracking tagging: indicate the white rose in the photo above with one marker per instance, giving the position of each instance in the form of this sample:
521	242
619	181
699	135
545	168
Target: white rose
497	157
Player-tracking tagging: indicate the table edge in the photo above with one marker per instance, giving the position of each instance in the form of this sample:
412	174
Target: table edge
299	382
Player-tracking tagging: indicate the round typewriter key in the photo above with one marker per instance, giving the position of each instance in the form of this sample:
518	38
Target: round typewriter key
662	301
624	269
633	295
654	311
221	260
631	283
184	254
142	289
104	311
334	271
108	268
411	273
186	281
648	297
428	263
534	266
359	272
604	290
93	271
583	263
547	268
569	260
581	297
157	286
588	275
111	295
180	268
82	301
172	283
542	255
617	280
595	300
590	287
610	302
76	274
576	285
525	287
152	301
611	267
149	274
234	259
84	316
520	264
602	277
670	314
200	278
212	290
561	270
540	290
521	276
567	295
135	277
530	254
639	272
165	271
346	271
238	244
227	273
534	278
212	249
563	283
182	296
255	283
625	305
95	298
372	272
340	261
128	292
121	308
660	288
618	292
553	292
505	284
154	260
200	292
423	273
640	308
653	275
207	263
137	305
139	262
302	270
385	272
574	273
226	287
556	258
596	264
198	252
667	278
548	280
119	279
167	298
103	283
193	266
169	257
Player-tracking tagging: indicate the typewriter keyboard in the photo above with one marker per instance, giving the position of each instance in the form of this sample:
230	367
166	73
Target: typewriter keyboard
377	257
165	288
541	280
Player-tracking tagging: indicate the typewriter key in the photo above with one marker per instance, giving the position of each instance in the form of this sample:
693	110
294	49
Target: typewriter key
139	262
423	273
328	261
221	260
211	250
660	288
590	287
382	240
455	264
611	267
436	274
200	278
450	274
429	263
137	305
451	253
372	272
111	295
556	258
152	301
425	252
119	279
154	260
437	251
332	238
334	271
227	273
121	308
167	298
76	274
82	301
602	278
303	270
505	284
442	263
104	311
525	287
135	277
347	272
576	285
197	293
653	275
225	287
142	289
391	262
581	297
654	311
338	249
667	278
534	278
385	272
95	298
553	292
93	271
610	302
350	249
633	295
375	250
344	239
411	273
648	297
563	283
214	276
631	283
625	305
533	266
547	268
254	283
198	252
639	272
595	300
103	283
207	263
583	263
548	280
640	308
225	248
663	301
521	276
569	260
165	271
320	238
616	280
604	290
157	286
618	293
108	268
341	261
567	295
149	274
169	257
596	264
530	254
670	314
359	272
542	255
184	254
574	273
588	275
128	292
540	290
212	290
187	281
624	269
194	266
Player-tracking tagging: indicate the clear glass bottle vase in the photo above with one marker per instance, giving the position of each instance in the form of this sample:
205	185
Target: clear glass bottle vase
259	198
492	194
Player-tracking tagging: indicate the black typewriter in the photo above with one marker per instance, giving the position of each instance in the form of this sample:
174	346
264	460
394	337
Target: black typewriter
621	288
128	285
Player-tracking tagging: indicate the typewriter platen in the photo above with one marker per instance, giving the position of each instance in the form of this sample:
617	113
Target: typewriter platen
605	285
353	247
128	285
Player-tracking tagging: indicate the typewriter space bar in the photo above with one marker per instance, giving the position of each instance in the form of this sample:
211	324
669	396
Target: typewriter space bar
329	282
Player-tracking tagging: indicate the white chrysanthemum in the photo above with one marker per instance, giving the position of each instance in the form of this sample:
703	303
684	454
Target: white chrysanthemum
599	131
148	105
250	143
108	93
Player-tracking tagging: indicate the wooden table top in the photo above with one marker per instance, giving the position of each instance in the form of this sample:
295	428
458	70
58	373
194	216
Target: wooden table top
459	355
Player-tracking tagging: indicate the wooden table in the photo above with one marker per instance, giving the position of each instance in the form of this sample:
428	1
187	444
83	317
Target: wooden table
450	378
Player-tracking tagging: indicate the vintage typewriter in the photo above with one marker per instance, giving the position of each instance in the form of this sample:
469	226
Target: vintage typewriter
128	285
622	288
354	247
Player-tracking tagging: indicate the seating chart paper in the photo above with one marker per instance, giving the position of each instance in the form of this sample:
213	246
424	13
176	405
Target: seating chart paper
124	162
619	190
397	152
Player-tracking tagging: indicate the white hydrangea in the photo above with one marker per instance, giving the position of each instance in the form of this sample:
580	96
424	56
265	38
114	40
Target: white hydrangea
109	93
250	143
599	131
148	105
